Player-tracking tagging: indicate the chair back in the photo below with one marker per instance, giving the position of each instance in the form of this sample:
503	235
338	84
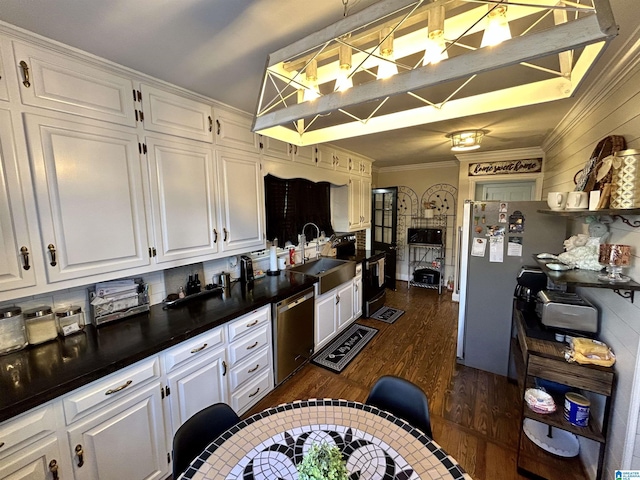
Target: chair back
197	432
402	398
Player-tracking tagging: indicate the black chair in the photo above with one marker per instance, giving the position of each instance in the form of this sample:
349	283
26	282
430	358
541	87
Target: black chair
200	430
402	398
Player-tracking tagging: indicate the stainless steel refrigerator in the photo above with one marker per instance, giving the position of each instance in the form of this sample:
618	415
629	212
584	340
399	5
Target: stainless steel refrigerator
498	238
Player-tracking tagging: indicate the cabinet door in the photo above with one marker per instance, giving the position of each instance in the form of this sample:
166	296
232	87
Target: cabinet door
345	305
89	191
325	158
169	113
234	130
305	154
341	161
64	84
183	195
365	202
242	201
126	440
36	462
4	93
16	270
276	148
195	386
357	297
325	327
355	207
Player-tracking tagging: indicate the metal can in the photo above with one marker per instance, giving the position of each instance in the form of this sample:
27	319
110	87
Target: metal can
576	409
625	191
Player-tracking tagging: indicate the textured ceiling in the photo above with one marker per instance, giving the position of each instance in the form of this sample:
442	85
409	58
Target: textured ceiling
218	48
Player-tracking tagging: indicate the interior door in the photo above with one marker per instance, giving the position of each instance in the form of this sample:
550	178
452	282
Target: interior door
511	192
384	203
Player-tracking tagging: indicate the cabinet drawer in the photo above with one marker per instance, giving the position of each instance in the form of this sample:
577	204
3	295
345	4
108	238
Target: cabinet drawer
246	346
27	428
193	348
249	368
248	323
257	388
107	390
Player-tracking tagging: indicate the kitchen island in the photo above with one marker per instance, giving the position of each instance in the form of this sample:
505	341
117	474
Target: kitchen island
37	374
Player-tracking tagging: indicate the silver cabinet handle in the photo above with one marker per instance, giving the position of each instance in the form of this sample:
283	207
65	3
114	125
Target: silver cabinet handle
53	468
52	250
24	251
80	453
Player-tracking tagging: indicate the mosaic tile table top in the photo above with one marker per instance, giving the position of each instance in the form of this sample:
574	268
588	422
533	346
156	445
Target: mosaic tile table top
376	445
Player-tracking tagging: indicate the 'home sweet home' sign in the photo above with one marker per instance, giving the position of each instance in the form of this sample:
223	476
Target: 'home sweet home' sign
528	165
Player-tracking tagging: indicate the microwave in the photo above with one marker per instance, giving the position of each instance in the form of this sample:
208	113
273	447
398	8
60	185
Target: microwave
432	236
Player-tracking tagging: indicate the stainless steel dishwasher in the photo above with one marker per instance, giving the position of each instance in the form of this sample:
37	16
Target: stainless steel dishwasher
293	333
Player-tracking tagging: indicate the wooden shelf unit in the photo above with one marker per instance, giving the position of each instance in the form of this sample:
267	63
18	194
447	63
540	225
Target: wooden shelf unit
544	359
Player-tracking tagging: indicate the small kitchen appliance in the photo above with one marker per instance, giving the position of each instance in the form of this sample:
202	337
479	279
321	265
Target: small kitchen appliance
246	269
566	311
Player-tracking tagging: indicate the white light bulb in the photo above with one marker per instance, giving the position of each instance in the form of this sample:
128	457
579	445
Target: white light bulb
497	30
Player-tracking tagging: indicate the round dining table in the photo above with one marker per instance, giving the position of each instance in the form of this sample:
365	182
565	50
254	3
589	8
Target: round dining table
375	444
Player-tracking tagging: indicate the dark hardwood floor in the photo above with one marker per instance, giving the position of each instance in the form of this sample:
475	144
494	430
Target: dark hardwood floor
474	414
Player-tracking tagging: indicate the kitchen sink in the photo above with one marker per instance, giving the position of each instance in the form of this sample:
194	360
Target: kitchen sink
330	272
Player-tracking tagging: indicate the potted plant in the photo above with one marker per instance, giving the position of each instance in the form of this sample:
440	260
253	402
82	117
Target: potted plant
322	462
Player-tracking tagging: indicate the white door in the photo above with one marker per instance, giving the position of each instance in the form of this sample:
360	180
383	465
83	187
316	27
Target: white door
36	462
510	192
345	305
89	191
195	386
242	200
16	255
126	440
57	82
169	113
184	198
325	327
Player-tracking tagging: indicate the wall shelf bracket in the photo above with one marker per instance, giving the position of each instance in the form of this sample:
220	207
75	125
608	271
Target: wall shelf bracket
625	293
634	224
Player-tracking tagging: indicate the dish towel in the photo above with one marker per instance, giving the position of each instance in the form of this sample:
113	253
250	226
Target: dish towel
381	272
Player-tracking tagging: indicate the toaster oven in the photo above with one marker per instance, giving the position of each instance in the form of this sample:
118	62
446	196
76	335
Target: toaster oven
567	311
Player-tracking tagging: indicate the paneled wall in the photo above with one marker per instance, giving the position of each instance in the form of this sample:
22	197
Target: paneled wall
611	107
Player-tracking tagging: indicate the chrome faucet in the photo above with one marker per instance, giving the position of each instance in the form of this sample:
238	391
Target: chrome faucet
303	240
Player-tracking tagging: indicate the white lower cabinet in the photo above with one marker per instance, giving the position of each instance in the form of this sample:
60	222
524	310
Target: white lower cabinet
250	359
195	376
37	461
334	311
357	292
125	440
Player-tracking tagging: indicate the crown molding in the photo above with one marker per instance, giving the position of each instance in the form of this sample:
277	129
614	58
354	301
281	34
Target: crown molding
417	166
498	155
612	76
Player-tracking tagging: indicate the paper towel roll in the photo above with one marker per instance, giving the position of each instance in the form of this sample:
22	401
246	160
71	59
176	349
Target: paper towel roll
273	259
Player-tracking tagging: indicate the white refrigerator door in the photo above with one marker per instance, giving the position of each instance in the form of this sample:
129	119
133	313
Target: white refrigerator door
464	266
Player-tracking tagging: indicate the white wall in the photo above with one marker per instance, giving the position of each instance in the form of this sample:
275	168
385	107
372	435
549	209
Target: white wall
610	107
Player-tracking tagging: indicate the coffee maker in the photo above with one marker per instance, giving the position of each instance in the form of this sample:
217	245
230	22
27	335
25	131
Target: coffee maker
530	281
246	269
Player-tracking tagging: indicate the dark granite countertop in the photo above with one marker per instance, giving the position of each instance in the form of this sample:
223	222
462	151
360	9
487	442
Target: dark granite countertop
37	374
360	256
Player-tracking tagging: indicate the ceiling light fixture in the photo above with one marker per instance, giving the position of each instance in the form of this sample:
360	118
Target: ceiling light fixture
497	30
466	140
345	78
554	45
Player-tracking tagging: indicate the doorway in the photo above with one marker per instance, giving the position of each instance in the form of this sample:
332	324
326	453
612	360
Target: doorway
384	228
507	191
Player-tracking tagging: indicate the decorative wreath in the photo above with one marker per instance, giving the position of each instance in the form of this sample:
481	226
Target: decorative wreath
597	171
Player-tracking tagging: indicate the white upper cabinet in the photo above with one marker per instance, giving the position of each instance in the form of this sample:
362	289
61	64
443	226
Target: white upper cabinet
57	82
89	191
276	148
4	93
305	154
183	195
234	130
173	114
242	200
16	254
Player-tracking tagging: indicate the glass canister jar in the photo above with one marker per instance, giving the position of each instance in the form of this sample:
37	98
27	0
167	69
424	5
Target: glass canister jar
69	320
41	325
12	330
